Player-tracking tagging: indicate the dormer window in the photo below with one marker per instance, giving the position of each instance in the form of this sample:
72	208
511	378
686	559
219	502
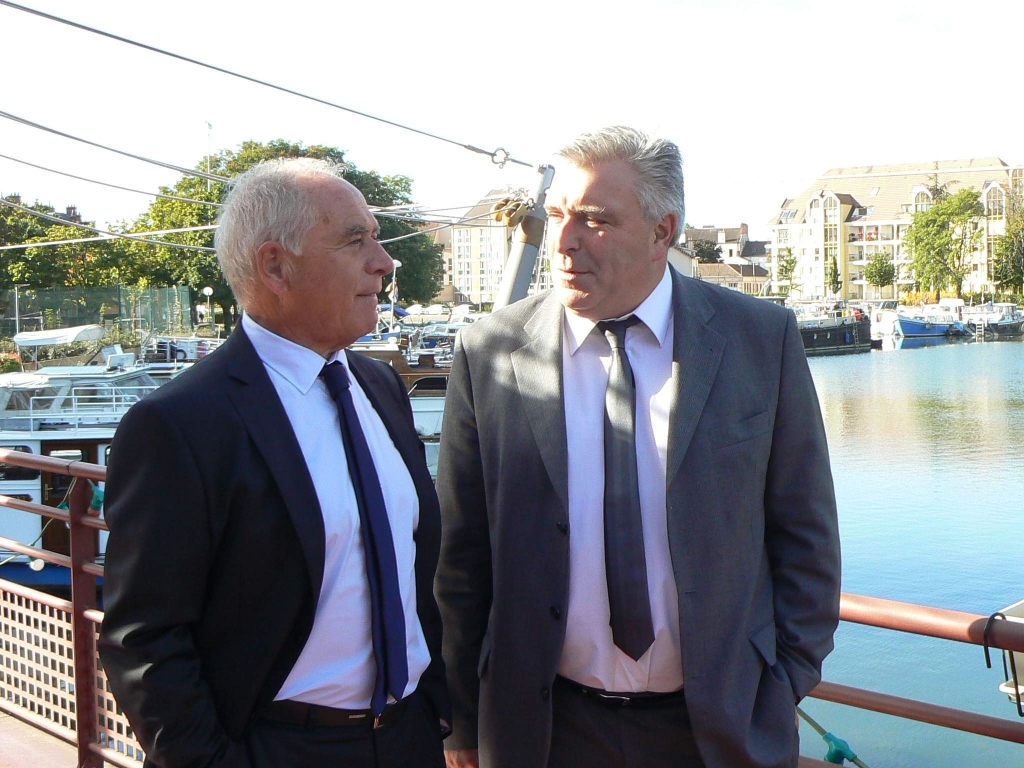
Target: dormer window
922	202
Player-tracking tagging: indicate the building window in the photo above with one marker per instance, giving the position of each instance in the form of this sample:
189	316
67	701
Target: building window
783	236
874	191
922	202
994	200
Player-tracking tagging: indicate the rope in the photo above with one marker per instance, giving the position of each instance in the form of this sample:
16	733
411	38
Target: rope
838	750
498	156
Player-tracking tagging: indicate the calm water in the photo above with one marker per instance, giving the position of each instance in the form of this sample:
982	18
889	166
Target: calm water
927	451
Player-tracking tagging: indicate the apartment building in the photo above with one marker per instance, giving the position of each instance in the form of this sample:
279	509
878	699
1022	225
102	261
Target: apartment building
851	215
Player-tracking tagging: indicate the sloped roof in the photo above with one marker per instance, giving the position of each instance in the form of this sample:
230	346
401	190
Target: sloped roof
893	186
732	234
754	248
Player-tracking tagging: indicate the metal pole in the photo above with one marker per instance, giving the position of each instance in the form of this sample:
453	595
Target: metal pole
17	322
83	598
515	280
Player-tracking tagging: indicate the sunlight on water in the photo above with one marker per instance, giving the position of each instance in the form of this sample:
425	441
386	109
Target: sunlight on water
928	459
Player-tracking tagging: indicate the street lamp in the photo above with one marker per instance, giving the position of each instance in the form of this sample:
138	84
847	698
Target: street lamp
208	293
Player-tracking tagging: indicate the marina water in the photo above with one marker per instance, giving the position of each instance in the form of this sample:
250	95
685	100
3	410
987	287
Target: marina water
928	459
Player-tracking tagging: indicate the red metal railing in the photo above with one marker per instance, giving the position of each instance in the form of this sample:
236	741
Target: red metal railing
113	741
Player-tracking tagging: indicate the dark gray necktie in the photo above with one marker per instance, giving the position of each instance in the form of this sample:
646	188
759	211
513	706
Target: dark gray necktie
625	563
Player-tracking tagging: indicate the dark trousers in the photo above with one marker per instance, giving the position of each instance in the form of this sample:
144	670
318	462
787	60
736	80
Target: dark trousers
586	731
414	741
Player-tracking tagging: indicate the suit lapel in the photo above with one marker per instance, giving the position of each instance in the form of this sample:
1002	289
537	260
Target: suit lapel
538	371
696	354
260	408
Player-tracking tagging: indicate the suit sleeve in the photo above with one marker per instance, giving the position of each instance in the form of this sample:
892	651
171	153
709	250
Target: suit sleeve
801	528
159	555
463	585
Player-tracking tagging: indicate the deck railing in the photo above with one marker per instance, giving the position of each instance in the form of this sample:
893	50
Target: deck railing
51	677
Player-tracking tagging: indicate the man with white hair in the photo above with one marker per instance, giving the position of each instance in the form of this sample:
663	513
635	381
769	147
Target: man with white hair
640	562
273	527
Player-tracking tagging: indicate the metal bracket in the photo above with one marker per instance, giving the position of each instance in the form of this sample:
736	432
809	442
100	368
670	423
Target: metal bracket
1012	672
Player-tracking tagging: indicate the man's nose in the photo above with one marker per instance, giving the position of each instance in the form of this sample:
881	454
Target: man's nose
566	239
381	263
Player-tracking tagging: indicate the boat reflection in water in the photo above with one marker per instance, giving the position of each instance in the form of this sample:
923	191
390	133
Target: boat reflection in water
890	343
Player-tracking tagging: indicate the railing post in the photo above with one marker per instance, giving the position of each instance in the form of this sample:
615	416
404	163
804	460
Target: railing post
83	598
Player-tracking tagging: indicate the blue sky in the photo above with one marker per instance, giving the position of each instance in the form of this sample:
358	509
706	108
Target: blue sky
762	97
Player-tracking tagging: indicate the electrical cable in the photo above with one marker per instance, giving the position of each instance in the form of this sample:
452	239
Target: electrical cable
112	186
171	166
121	235
499	156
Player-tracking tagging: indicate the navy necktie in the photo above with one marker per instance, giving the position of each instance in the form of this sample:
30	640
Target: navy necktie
625	562
386	609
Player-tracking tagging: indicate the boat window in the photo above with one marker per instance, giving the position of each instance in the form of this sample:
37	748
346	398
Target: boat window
21	399
12	472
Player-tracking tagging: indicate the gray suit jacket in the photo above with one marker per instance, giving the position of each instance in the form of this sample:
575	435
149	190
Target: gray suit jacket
751	525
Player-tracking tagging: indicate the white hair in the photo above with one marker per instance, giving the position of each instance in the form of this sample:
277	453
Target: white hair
657	162
267	203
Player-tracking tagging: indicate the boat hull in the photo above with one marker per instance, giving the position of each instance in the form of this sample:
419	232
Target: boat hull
847	337
912	327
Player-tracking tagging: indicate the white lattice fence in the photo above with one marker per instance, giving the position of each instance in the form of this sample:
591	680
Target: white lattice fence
37	669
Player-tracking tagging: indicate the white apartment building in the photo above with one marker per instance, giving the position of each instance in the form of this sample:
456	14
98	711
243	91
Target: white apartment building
854	214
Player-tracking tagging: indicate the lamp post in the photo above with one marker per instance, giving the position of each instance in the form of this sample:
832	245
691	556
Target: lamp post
394	293
17	313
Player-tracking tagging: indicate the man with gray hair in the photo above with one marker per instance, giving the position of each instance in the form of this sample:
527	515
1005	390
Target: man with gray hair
640	561
274	531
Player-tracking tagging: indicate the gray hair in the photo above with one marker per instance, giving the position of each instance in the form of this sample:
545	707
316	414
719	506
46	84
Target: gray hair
657	162
267	203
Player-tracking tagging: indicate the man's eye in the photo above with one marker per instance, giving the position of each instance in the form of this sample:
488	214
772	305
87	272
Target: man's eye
555	215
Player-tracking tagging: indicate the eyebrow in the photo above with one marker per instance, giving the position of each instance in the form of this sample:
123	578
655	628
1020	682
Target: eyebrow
361	229
586	210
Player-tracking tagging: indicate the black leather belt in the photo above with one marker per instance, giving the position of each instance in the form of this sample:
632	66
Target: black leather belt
625	699
315	715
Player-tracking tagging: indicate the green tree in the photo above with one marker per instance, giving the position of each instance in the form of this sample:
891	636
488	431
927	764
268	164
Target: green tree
786	273
832	281
707	251
1008	266
941	240
421	258
880	271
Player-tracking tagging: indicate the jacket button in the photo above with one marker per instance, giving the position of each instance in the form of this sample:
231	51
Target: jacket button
555	613
545	693
563	527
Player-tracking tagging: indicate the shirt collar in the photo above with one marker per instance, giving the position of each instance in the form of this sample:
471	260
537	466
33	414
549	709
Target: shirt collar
655	312
298	365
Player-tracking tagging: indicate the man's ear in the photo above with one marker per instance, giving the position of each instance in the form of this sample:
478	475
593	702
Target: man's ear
274	266
665	230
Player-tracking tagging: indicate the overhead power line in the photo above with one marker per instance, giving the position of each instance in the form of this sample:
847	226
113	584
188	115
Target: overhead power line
171	166
112	186
498	156
122	235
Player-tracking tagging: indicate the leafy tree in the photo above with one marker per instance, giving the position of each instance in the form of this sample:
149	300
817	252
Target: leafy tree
1008	264
786	272
708	252
421	258
942	239
880	271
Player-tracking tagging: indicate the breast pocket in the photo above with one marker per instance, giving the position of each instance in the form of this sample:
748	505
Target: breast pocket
741	431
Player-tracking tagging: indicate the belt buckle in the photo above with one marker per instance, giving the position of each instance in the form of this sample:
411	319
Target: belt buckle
620	700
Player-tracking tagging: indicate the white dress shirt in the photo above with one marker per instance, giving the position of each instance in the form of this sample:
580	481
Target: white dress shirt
589	655
336	667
